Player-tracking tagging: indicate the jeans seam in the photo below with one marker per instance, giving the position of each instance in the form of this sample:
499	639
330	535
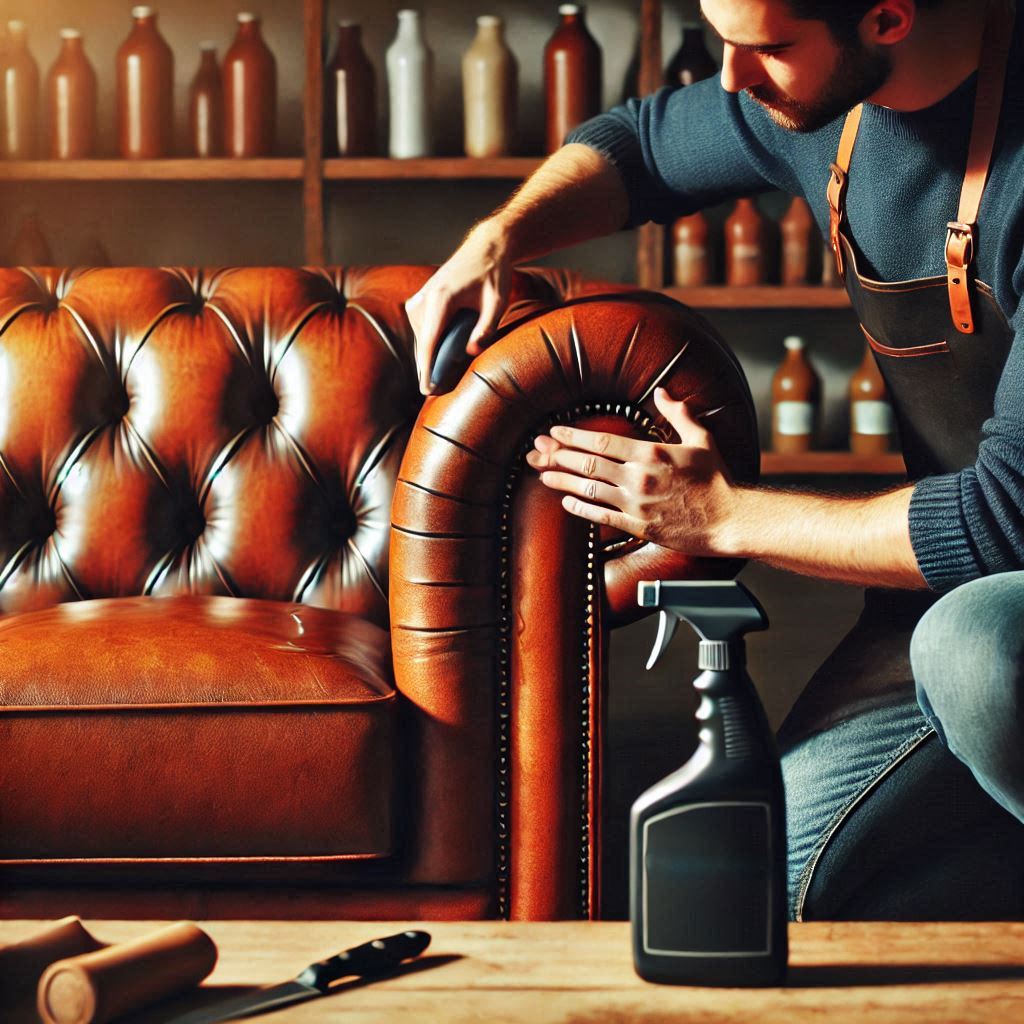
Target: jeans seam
840	816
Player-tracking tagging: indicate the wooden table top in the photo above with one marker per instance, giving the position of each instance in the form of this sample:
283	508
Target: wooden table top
576	972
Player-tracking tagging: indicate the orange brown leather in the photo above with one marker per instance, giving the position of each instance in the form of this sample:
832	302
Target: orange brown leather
192	458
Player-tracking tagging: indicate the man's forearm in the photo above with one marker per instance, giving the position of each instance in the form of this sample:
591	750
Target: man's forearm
574	196
859	540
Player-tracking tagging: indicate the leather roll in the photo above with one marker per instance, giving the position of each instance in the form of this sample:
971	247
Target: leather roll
96	987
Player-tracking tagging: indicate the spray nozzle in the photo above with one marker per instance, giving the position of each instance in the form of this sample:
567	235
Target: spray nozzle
721	611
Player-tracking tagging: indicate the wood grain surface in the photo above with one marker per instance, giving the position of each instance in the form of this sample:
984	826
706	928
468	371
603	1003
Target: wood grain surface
576	972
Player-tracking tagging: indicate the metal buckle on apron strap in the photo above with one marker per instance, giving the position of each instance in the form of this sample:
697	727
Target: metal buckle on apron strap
959	257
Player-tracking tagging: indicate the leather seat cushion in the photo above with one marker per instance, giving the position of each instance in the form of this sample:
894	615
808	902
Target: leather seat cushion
203	728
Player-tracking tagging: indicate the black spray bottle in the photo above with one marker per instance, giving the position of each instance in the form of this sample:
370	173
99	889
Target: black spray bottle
708	843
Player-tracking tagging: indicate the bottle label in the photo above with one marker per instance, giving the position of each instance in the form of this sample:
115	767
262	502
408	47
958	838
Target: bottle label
796	418
871	417
707	880
746	251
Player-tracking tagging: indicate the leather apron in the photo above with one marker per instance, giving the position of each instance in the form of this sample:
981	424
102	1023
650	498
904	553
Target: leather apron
940	344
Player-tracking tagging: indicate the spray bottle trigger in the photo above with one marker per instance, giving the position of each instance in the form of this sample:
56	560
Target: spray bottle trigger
668	623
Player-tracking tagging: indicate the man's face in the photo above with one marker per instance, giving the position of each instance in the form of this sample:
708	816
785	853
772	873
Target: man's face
793	67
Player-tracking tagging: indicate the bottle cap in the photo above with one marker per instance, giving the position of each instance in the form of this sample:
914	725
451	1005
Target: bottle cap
16	26
488	20
70	33
246	16
408	13
794	342
570	8
347	23
142	12
207	45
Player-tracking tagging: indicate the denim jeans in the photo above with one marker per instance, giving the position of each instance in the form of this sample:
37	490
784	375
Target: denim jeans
911	809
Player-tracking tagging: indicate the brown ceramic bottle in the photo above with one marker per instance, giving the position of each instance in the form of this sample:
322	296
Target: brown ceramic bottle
145	91
490	77
745	245
350	105
206	106
250	92
799	240
691	262
871	415
20	96
572	76
71	101
691	62
796	400
30	248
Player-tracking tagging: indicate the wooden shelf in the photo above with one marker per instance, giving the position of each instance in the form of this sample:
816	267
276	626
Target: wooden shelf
178	169
836	463
441	167
761	297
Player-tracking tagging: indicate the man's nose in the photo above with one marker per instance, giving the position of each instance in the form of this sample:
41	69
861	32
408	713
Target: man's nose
740	69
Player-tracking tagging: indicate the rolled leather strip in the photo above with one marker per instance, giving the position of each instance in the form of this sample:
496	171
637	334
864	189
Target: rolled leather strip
97	987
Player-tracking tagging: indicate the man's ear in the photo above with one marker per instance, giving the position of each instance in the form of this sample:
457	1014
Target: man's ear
888	22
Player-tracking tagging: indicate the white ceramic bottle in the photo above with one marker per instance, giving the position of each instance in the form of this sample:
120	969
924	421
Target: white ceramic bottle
410	68
489	85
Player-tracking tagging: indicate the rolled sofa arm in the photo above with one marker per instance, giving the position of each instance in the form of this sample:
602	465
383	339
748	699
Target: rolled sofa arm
501	601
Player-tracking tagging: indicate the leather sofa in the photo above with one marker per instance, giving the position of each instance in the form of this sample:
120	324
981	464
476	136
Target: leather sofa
278	637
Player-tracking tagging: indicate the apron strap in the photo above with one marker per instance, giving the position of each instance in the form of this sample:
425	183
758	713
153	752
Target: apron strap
838	180
961	233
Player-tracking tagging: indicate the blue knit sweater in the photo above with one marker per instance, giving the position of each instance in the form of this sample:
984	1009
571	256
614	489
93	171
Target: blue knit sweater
683	149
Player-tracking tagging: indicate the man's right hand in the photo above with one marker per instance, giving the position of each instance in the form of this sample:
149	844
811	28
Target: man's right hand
476	276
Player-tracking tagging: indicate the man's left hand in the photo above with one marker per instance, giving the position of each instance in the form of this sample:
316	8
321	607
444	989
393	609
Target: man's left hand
676	495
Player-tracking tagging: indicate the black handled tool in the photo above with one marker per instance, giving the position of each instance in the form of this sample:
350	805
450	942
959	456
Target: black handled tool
367	960
451	359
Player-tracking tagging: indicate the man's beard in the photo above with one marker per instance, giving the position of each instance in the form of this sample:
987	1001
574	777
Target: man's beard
857	75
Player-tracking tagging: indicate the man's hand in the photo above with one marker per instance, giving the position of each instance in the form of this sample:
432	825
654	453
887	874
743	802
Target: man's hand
676	495
476	276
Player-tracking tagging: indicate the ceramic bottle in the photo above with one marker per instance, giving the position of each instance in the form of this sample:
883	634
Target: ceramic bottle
691	62
489	88
410	69
250	92
572	76
20	92
745	245
796	400
206	106
691	263
145	90
799	241
350	104
871	414
71	101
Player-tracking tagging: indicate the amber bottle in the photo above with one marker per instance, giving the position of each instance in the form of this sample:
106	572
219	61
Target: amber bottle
350	105
799	241
145	91
71	101
691	62
745	232
691	262
250	92
796	401
490	83
20	96
871	415
206	106
572	76
30	247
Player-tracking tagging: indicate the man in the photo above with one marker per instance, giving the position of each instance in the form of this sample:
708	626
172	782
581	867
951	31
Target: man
905	791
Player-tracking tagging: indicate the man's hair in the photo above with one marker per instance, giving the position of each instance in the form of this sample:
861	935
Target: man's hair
841	16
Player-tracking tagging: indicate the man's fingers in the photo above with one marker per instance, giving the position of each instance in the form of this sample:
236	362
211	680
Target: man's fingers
433	313
583	464
491	308
591	490
613	446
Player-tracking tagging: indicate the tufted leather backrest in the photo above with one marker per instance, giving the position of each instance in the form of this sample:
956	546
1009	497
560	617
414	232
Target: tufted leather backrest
231	431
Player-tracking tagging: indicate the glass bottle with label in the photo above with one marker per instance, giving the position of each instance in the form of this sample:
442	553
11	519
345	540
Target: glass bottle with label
572	76
691	255
799	240
410	69
20	96
71	101
250	92
350	107
489	86
871	415
691	62
206	105
745	231
145	90
796	401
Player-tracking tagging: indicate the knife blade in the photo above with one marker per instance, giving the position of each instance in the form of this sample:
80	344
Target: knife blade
367	960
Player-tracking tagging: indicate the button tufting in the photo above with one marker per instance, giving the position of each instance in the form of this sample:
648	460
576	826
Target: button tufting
193	522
